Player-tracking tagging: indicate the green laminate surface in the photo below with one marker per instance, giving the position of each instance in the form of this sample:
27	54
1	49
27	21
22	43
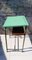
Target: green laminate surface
13	21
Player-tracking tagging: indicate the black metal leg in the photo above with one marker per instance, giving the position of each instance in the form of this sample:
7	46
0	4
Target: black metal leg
23	43
6	40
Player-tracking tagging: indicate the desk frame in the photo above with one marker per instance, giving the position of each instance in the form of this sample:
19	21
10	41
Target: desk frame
10	50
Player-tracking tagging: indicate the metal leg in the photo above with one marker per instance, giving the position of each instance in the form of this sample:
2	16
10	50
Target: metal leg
23	43
24	38
6	40
15	44
18	43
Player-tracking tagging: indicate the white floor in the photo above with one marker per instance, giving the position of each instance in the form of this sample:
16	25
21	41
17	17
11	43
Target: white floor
26	55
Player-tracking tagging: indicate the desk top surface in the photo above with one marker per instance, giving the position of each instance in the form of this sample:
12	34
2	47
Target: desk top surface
14	21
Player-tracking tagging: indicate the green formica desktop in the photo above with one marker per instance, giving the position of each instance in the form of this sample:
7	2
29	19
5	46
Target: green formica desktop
14	21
